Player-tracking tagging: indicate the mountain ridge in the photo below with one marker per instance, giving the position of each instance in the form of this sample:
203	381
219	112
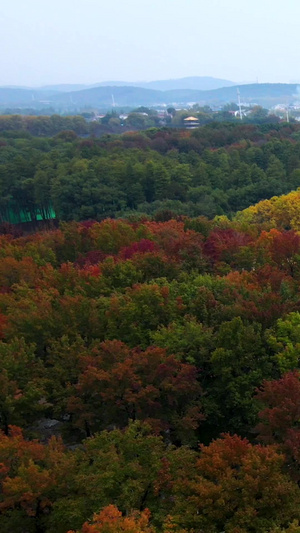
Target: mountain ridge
189	82
133	96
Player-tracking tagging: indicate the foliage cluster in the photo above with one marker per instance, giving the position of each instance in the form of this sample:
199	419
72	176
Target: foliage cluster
218	169
149	375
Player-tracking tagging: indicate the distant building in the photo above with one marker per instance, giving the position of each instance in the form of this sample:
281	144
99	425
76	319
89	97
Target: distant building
191	123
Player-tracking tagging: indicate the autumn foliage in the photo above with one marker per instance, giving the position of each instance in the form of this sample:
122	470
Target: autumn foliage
149	375
110	520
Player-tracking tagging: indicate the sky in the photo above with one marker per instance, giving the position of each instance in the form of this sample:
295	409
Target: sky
88	41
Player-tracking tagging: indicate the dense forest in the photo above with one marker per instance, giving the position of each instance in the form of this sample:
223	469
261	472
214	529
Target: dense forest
150	377
150	344
214	170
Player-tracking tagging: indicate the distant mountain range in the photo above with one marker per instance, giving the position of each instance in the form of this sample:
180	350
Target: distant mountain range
197	83
171	92
200	83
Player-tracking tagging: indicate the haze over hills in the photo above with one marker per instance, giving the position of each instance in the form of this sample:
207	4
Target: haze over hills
201	83
141	96
104	96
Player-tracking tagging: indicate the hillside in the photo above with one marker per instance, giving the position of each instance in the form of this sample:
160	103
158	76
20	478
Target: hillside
256	91
192	82
126	96
101	97
23	97
200	83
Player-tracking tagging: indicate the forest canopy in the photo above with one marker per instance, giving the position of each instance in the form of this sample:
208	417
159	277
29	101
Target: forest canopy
218	169
124	347
150	360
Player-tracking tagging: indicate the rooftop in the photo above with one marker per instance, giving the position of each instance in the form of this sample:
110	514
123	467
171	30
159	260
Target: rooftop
191	119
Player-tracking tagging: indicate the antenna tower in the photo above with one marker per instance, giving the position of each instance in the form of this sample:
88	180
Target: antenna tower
239	104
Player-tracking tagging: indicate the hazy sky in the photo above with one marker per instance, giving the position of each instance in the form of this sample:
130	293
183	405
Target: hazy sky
88	41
